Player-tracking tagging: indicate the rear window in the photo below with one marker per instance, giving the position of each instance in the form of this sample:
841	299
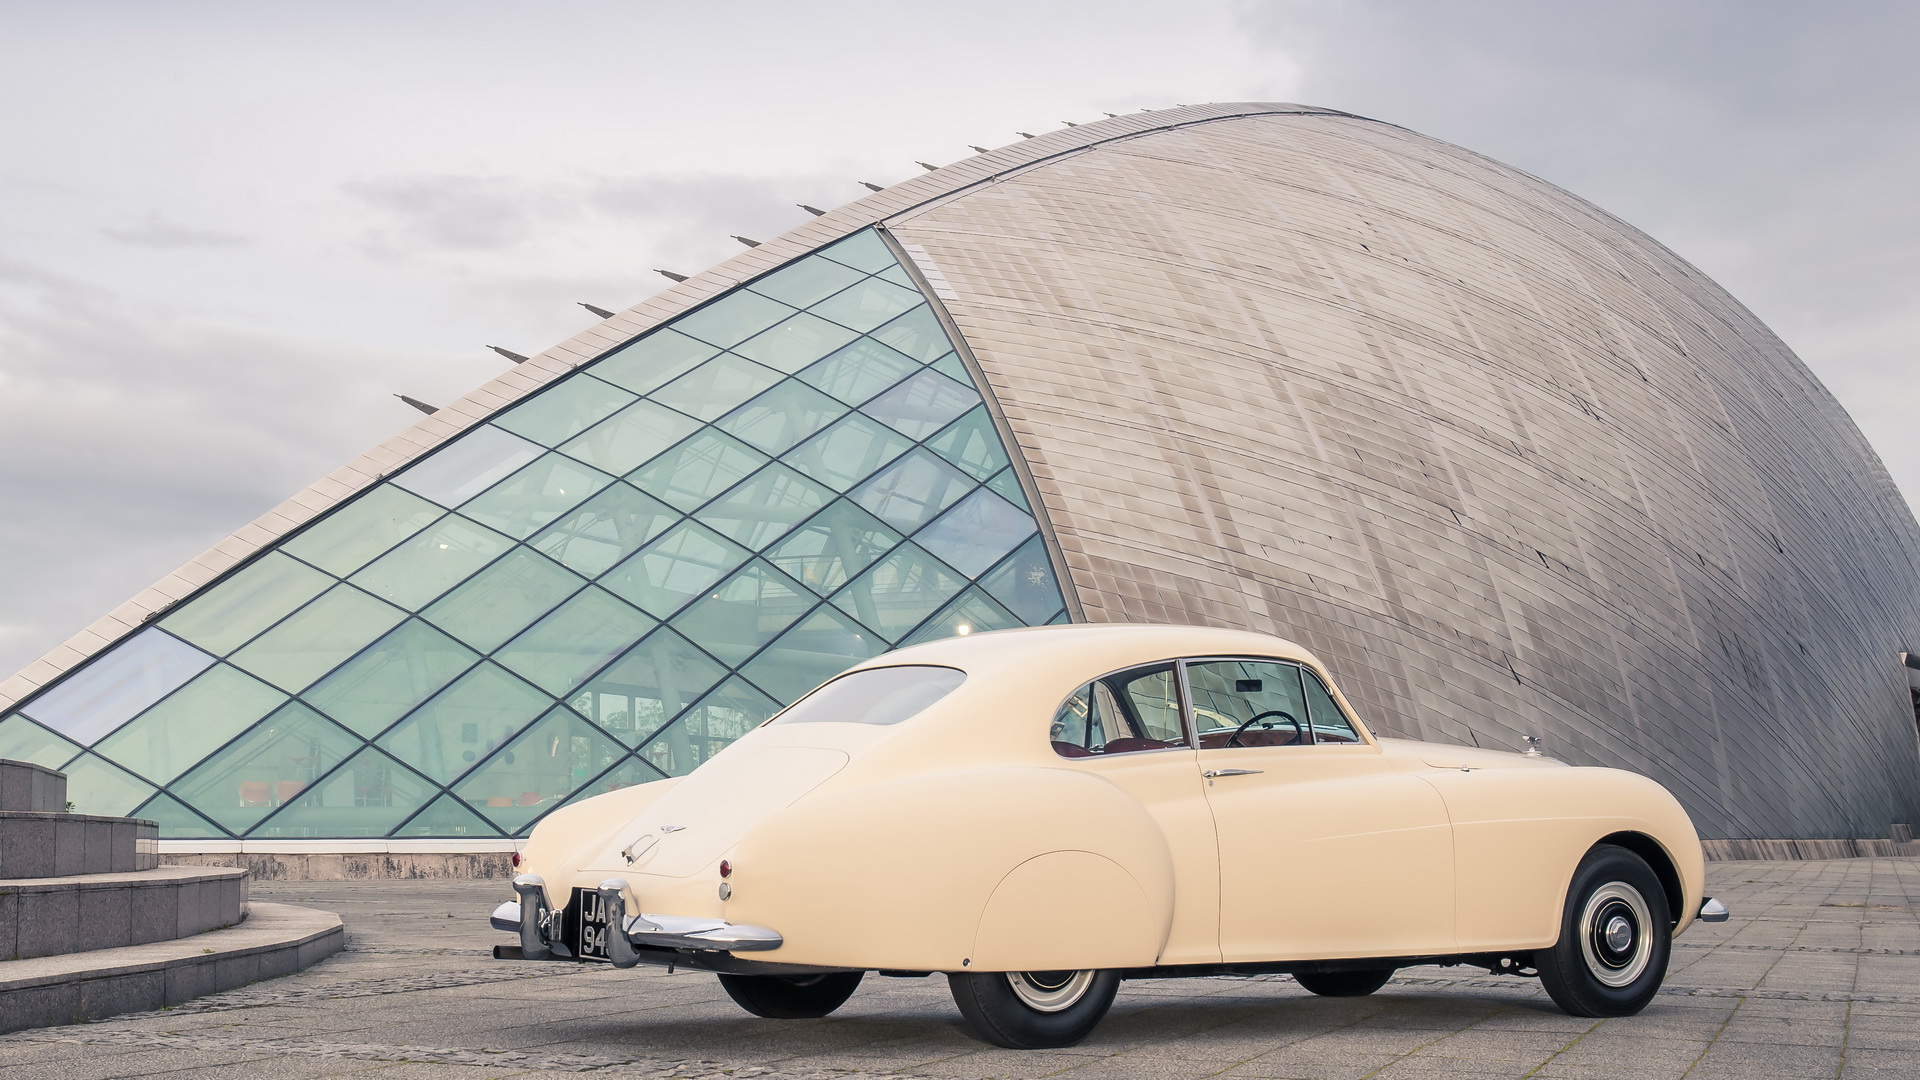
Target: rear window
884	695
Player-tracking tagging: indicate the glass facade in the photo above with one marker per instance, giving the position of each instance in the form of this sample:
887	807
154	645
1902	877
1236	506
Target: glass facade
601	586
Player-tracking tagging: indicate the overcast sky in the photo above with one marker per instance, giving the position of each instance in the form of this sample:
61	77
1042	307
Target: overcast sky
230	231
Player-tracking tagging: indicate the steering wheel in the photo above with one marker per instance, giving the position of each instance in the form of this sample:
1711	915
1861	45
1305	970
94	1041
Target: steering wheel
1234	739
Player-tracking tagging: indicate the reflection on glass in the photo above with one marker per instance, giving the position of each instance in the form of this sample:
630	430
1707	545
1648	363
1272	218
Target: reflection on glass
314	640
605	529
628	773
922	405
95	786
732	710
839	542
1007	486
367	796
637	694
564	409
270	766
23	740
538	770
765	506
728	322
918	334
806	282
796	342
412	574
820	646
449	817
119	683
848	452
712	389
976	533
570	644
880	696
686	559
899	276
908	493
400	671
899	591
190	723
357	533
535	495
467	466
176	821
950	366
866	305
698	469
783	416
971	443
504	599
631	438
972	612
1024	584
859	371
258	596
654	360
464	722
744	612
863	250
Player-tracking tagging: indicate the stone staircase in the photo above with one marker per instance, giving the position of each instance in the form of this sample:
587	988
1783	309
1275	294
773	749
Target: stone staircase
92	925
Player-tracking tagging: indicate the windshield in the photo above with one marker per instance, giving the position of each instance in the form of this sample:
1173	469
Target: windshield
885	695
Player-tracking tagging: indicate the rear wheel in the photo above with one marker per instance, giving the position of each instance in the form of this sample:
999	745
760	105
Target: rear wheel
1033	1010
1615	937
1343	983
791	997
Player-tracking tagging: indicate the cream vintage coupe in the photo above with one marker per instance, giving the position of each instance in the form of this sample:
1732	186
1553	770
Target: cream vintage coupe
1039	814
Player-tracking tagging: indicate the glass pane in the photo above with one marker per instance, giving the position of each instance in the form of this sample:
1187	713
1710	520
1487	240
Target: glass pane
714	388
838	543
732	320
974	612
950	366
1330	724
23	740
464	722
658	358
627	774
222	619
721	717
315	639
809	280
534	496
687	559
911	491
796	342
1247	703
867	304
899	276
922	405
848	452
698	469
539	769
573	642
862	251
859	371
1024	583
637	694
918	333
607	528
191	723
367	796
823	645
449	817
744	612
881	696
400	671
504	599
267	767
762	509
467	466
176	821
783	416
355	534
631	439
972	443
106	693
976	533
899	591
564	409
412	574
1007	486
96	787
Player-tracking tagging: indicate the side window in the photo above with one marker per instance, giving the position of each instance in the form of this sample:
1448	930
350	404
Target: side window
1330	725
1135	709
1248	703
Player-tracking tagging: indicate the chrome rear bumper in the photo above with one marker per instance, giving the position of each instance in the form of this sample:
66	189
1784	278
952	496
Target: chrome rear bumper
669	931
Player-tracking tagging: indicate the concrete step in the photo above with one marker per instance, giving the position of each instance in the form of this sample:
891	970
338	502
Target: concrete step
275	940
54	916
26	786
39	844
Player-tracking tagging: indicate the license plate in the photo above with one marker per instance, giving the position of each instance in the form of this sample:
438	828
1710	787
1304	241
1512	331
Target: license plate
590	917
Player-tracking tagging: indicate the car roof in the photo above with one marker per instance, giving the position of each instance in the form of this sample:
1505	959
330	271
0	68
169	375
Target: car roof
1091	647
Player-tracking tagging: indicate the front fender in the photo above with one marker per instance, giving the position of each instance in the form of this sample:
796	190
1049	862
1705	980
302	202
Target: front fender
900	875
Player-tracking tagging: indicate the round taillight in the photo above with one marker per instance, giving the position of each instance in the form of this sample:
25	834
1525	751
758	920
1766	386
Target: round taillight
726	868
516	860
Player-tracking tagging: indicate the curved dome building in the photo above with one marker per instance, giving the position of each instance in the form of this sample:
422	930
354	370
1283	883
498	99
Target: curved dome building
1508	465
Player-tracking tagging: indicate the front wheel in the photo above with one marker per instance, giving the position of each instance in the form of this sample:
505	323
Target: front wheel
1343	983
791	997
1033	1010
1615	937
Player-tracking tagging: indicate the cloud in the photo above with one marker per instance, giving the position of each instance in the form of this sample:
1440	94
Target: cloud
157	232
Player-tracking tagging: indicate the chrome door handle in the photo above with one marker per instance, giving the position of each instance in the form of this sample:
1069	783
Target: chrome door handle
1211	773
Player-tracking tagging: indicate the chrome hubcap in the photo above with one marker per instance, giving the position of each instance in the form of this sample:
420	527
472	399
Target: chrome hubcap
1049	991
1615	939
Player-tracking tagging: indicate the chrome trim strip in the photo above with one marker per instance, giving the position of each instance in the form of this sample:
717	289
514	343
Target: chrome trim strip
664	931
1712	910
